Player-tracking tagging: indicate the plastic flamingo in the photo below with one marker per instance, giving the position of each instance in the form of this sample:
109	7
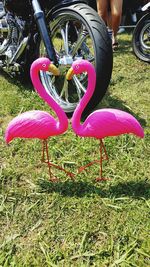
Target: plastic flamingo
103	122
36	123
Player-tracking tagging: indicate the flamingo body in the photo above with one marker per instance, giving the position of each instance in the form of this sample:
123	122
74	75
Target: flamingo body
110	122
32	124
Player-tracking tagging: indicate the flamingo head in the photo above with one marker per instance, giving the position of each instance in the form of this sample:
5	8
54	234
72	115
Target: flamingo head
79	66
44	64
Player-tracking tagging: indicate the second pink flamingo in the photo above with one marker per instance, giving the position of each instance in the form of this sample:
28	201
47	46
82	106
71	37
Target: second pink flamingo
101	123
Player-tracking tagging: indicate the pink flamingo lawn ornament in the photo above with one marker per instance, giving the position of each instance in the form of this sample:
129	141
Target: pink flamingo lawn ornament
100	123
36	123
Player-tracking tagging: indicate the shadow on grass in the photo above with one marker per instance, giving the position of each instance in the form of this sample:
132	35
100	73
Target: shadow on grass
81	189
125	45
22	83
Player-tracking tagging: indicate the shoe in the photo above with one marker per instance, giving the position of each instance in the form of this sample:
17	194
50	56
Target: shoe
115	46
121	30
110	32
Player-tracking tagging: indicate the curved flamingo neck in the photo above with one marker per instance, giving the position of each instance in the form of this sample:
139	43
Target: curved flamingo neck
76	118
63	120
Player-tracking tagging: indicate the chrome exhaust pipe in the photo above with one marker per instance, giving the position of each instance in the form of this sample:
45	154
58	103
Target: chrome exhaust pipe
20	50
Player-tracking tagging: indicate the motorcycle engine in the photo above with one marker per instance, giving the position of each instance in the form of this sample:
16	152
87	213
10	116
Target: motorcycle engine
4	28
11	32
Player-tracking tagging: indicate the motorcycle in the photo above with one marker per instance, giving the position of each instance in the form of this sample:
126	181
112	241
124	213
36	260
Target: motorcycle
63	31
141	35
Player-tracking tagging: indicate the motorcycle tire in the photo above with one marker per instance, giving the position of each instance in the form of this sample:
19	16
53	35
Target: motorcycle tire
141	39
78	32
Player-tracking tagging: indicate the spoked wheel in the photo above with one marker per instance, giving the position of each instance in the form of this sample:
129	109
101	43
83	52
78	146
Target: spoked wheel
141	39
78	32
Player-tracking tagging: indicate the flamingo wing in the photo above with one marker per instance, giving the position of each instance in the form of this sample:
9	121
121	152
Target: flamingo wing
111	122
31	124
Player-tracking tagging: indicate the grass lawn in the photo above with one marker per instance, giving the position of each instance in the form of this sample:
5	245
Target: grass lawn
81	223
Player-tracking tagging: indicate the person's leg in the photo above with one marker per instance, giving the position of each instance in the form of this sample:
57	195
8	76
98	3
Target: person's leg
116	14
102	9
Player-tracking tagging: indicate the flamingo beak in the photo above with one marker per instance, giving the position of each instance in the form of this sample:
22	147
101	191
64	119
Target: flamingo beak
69	74
53	69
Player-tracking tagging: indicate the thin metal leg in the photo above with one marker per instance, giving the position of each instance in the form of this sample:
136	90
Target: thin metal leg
50	164
43	150
45	159
102	148
82	168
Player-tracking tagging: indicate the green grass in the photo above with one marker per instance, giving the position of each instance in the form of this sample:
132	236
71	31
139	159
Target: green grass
79	223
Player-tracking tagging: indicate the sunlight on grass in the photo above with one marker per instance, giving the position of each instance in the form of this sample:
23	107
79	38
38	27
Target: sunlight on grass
80	223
